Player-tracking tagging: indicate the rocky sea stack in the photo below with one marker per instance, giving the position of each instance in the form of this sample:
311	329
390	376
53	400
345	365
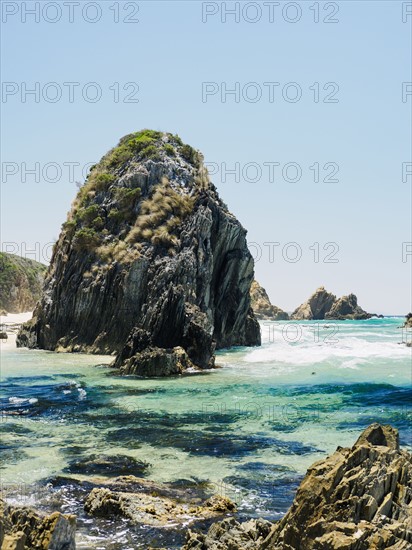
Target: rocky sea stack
21	282
324	305
150	265
262	307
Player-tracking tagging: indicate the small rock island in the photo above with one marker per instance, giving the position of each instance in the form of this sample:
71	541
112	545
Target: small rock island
150	265
324	305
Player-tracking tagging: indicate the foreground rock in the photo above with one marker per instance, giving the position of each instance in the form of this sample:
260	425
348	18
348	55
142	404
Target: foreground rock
154	510
262	307
21	282
25	529
324	305
359	498
150	265
111	465
230	534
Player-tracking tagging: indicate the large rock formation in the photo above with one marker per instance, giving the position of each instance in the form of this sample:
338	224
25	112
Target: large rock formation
407	338
25	529
359	498
150	261
324	305
21	282
408	321
347	308
262	307
316	306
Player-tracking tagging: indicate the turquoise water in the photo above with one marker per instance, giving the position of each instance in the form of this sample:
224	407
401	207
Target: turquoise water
250	428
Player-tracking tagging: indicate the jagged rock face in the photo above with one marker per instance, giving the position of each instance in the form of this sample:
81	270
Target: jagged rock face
324	305
149	258
21	282
408	321
262	307
347	308
316	307
356	499
23	528
230	534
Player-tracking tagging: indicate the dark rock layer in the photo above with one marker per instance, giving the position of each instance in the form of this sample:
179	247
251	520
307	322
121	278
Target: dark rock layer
149	259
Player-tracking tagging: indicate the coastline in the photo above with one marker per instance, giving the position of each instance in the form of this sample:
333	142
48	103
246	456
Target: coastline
10	324
250	429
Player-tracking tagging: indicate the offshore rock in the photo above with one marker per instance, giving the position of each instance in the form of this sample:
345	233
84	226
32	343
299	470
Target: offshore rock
316	306
324	305
408	321
150	262
262	307
356	499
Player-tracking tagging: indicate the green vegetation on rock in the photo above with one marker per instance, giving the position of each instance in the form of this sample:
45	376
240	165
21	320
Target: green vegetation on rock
21	282
160	215
111	218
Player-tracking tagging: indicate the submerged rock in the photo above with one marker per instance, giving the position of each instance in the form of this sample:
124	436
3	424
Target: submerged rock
21	282
408	321
150	261
324	305
262	307
115	465
359	498
25	529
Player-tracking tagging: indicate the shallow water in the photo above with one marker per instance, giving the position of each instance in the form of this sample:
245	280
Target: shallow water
250	428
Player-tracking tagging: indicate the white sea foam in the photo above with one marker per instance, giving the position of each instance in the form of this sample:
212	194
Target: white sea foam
82	393
22	400
307	352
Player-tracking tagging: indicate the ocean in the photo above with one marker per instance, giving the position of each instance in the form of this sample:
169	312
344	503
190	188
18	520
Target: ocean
249	429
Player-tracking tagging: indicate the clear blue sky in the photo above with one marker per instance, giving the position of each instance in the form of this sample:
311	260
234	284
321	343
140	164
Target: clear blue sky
169	53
